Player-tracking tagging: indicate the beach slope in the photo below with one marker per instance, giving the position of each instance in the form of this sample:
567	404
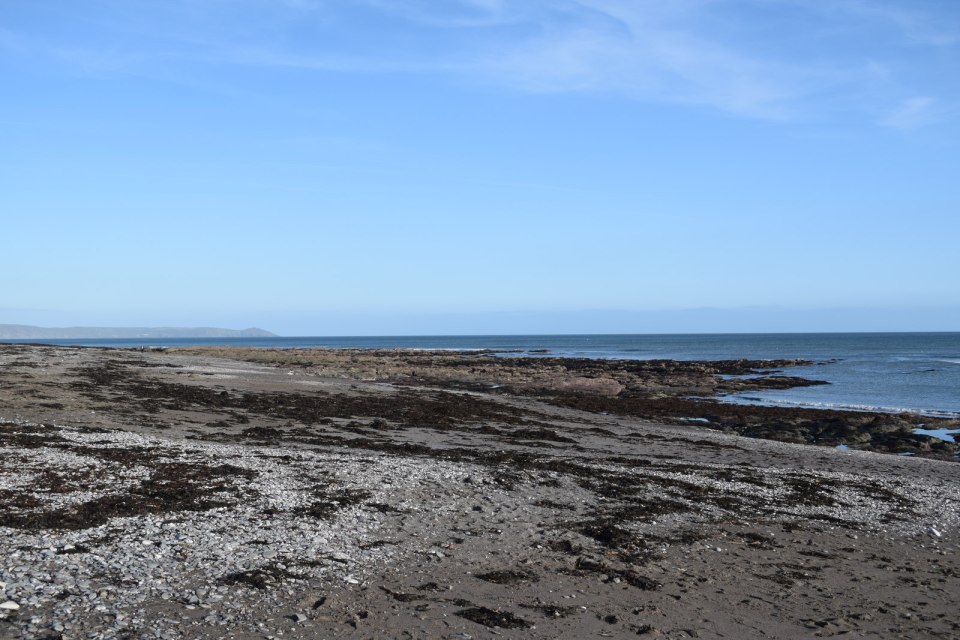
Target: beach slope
193	494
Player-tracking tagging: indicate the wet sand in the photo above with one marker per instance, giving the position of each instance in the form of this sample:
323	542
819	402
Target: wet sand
302	494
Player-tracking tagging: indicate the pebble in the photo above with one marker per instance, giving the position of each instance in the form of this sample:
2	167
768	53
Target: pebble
182	557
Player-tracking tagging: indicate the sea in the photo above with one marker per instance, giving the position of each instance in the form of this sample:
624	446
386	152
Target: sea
888	372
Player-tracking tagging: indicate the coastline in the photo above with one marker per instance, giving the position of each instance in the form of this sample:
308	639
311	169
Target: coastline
671	391
880	372
444	495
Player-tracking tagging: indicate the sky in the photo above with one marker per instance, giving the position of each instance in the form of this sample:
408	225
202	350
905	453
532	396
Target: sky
350	167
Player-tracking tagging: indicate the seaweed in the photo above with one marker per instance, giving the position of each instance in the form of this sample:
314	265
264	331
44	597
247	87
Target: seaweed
492	618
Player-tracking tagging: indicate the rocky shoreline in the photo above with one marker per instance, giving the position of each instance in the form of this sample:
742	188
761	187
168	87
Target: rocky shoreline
670	391
298	494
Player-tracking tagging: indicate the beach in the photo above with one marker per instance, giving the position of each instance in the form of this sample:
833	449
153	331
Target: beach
215	492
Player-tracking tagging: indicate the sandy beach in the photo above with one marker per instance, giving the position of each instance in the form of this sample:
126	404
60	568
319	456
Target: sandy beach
241	493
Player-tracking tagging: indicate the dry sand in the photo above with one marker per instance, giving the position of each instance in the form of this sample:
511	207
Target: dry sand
202	495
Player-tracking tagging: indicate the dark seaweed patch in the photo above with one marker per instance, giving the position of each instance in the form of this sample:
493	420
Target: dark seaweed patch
29	437
551	611
509	576
401	597
490	618
332	501
262	578
437	410
171	487
607	534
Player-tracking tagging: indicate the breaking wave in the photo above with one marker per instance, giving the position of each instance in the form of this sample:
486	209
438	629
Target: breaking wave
839	406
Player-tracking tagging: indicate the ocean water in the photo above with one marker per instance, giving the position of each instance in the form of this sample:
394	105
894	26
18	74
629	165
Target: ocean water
916	372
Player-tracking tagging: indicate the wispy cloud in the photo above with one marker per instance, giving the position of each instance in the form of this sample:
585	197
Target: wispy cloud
913	113
921	22
771	59
455	14
723	55
651	55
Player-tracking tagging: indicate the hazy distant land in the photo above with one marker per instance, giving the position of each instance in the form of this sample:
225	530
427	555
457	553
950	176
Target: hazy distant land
27	332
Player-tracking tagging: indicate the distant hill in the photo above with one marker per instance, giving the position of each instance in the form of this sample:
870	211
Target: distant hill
26	332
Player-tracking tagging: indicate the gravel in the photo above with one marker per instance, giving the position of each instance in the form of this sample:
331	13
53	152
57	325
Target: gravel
106	581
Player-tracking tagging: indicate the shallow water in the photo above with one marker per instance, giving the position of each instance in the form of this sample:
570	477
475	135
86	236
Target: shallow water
944	434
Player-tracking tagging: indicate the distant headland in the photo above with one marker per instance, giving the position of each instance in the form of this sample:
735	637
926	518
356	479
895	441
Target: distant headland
27	332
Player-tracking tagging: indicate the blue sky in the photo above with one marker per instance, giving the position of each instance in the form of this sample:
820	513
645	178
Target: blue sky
480	166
